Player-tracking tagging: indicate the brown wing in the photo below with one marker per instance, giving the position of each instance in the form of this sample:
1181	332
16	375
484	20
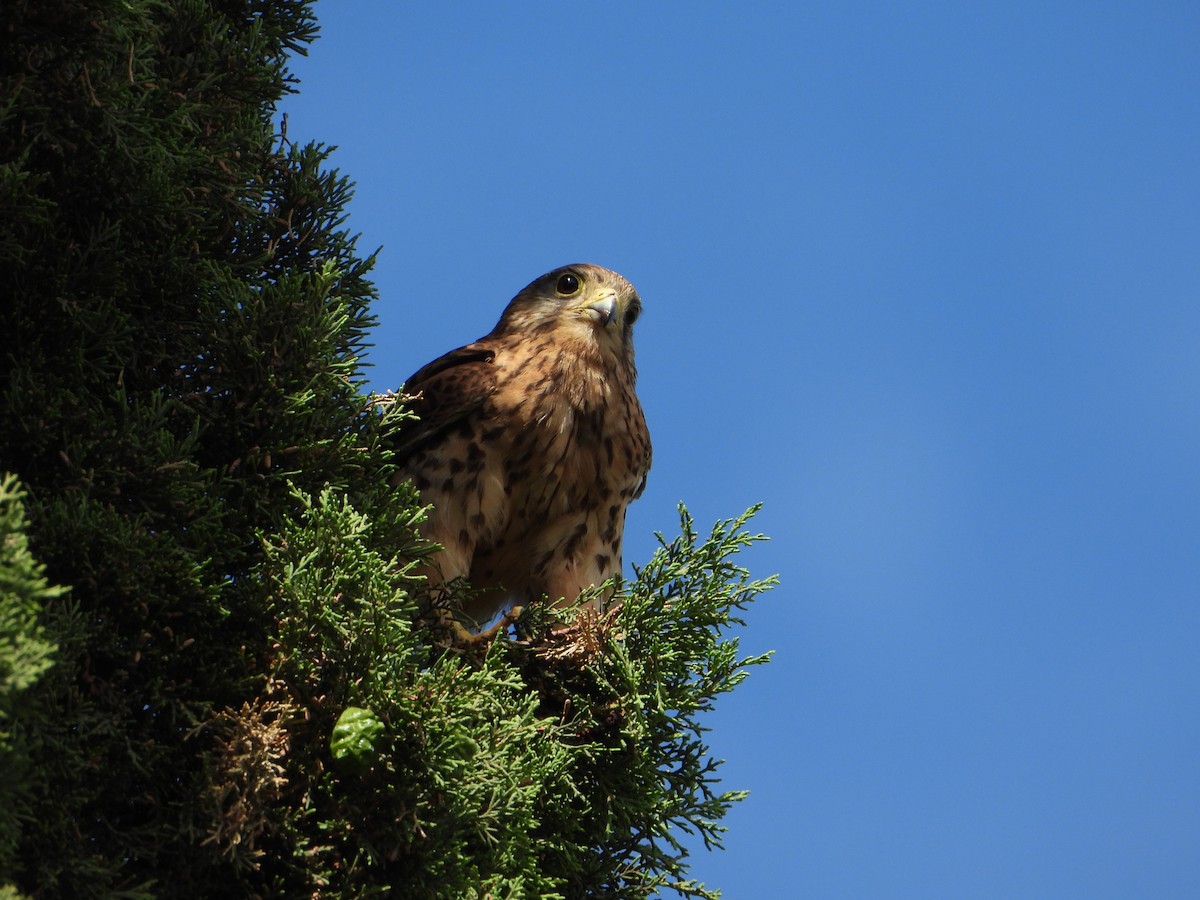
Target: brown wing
445	392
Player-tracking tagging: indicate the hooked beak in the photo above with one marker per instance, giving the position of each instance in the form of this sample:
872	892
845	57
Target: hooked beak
603	309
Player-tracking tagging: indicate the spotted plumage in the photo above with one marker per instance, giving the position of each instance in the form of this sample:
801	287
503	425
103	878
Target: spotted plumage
531	443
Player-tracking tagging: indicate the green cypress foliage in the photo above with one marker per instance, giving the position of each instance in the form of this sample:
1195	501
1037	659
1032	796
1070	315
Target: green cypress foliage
25	655
231	691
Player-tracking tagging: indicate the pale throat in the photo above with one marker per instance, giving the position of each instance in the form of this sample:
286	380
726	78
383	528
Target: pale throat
590	370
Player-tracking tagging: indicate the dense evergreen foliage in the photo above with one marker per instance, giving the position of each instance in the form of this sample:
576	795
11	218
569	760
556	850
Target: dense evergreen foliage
212	674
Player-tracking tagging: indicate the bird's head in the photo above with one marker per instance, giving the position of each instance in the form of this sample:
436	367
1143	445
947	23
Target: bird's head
591	304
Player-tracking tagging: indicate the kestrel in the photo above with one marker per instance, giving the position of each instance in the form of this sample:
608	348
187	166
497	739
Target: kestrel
531	443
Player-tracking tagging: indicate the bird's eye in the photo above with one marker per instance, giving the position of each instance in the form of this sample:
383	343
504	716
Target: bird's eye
567	285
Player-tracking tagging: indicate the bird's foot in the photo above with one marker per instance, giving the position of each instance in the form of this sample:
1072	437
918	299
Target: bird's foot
461	636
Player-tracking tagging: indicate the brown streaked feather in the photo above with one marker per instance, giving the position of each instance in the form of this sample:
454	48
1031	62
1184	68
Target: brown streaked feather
531	444
445	392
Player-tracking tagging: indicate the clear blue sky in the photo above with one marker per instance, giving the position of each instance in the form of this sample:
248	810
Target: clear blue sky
925	279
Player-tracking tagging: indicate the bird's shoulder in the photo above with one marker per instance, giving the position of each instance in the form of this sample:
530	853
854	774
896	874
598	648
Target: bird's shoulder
445	392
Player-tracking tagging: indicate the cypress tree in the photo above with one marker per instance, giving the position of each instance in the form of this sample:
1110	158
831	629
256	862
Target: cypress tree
212	672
